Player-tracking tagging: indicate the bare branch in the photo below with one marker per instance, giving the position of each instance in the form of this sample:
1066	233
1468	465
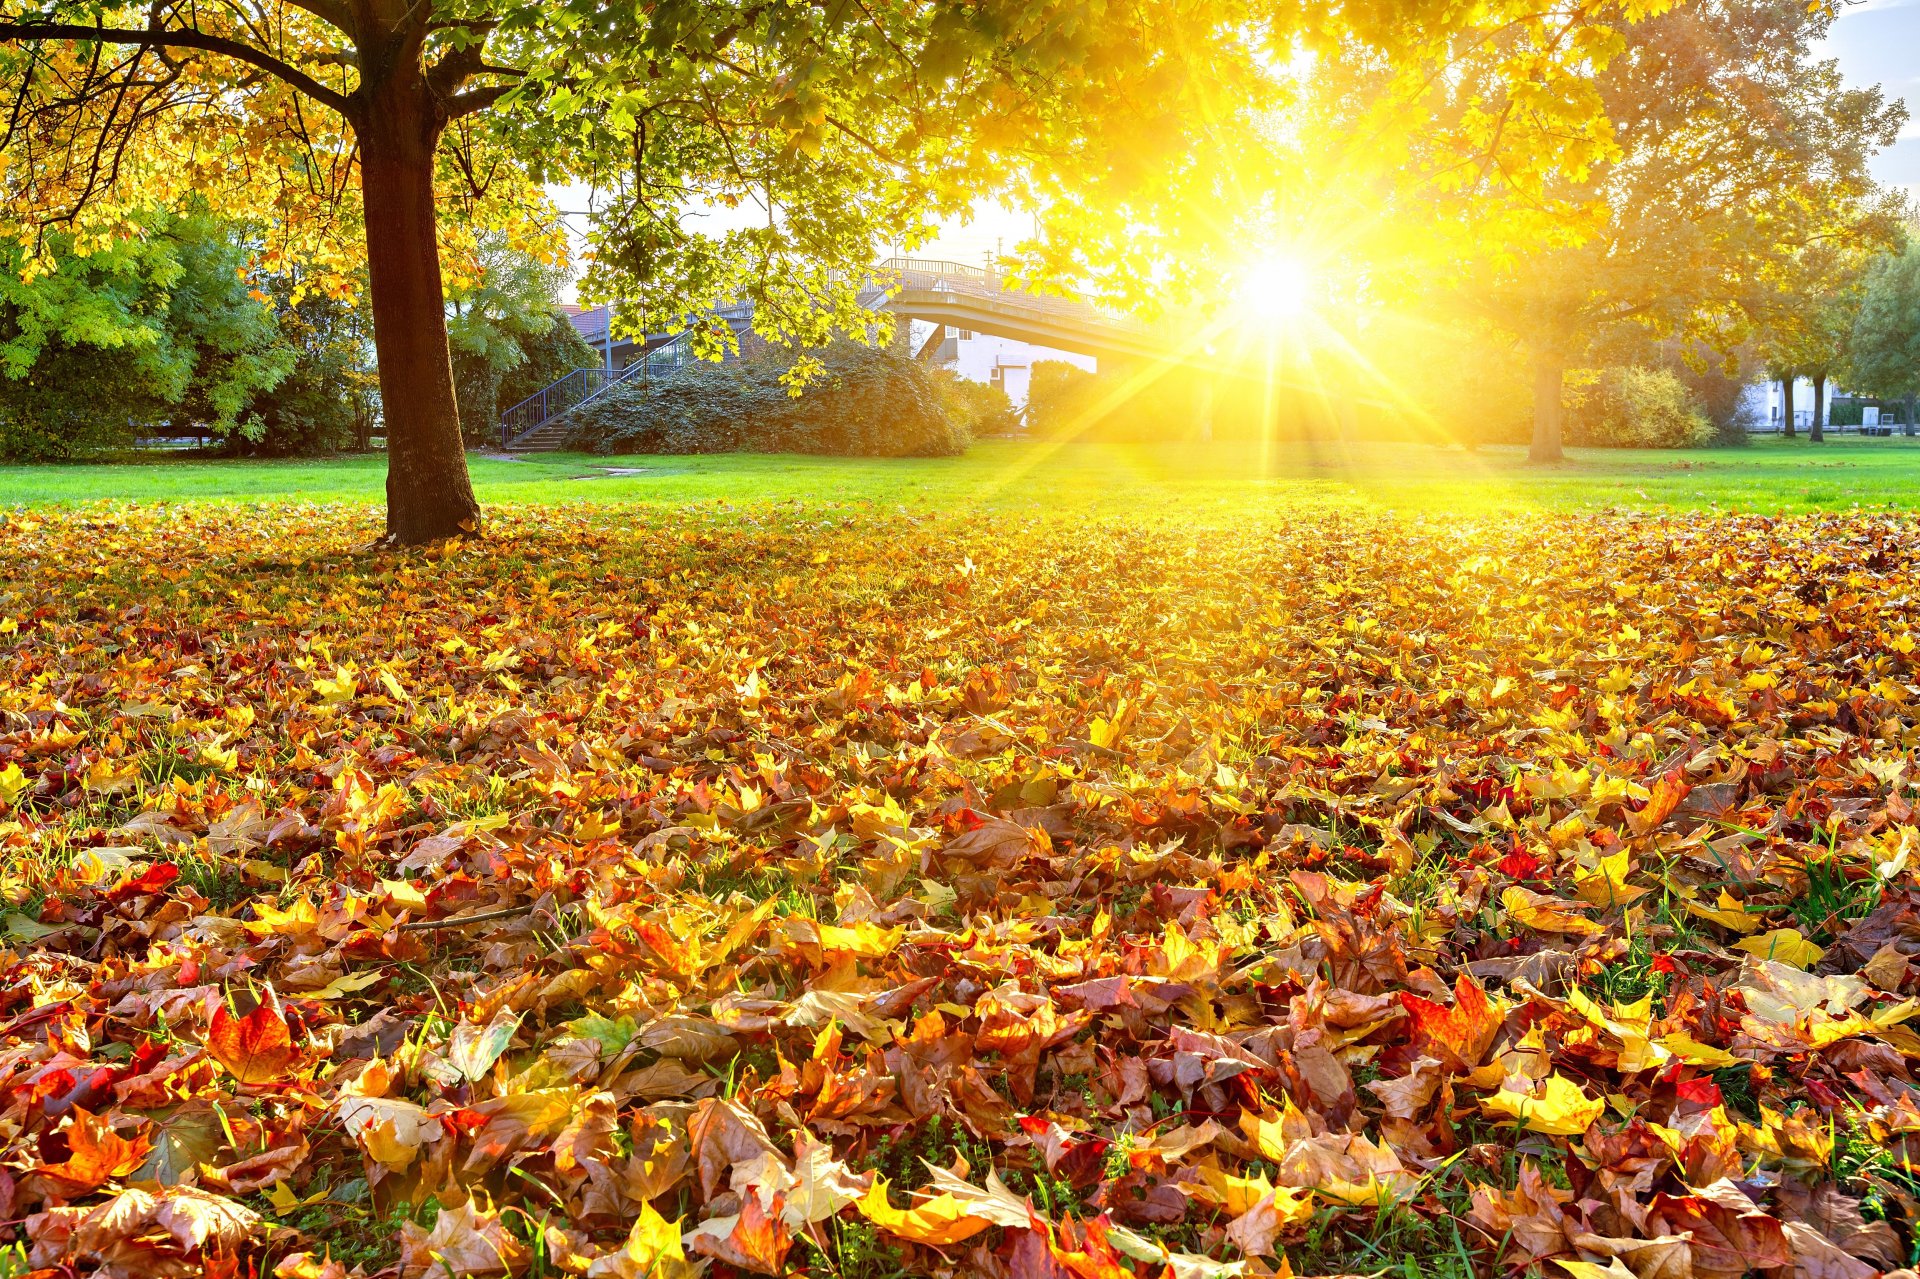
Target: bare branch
28	32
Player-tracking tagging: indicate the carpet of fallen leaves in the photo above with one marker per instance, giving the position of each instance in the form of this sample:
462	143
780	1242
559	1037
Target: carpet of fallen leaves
845	894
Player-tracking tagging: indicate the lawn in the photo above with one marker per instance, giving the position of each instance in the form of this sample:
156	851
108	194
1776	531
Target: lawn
831	889
1221	481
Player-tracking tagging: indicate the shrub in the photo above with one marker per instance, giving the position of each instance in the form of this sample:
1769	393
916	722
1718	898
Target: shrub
551	355
981	407
1640	408
329	401
1057	395
863	403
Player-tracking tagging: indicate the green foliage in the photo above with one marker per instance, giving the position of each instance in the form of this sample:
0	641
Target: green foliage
863	403
550	356
492	325
1065	401
981	407
328	402
1884	354
1641	408
156	331
1056	392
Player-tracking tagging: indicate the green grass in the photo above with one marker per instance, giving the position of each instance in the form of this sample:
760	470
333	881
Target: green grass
1220	480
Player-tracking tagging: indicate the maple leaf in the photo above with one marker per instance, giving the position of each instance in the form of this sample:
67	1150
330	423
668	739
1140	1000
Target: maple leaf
1555	1106
1458	1036
96	1155
940	1220
652	1250
255	1049
465	1240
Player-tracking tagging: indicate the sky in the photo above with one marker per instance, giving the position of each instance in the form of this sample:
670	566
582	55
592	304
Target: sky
1875	41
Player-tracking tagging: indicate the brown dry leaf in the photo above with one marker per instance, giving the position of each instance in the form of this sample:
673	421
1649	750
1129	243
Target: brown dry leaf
465	1240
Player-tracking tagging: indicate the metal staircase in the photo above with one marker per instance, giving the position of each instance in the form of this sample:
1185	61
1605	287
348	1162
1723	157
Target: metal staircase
913	288
537	424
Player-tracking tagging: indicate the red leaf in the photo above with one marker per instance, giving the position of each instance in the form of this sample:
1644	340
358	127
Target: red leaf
256	1048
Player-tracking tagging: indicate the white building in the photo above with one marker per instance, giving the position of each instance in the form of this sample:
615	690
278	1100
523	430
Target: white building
1768	402
1000	362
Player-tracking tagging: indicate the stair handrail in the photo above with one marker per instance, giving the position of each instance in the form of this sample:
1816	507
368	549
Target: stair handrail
671	354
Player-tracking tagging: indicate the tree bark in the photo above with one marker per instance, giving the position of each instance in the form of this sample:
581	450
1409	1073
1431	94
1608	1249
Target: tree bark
429	495
1816	434
1907	417
1549	372
1786	401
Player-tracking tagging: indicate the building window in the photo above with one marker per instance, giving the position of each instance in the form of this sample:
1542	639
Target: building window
965	335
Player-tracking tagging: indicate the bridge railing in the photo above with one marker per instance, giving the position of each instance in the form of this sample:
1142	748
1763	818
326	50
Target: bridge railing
937	275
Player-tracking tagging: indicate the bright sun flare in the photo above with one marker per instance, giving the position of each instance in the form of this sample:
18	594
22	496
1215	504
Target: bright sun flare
1278	288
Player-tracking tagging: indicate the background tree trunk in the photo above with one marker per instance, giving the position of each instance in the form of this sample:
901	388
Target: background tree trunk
1786	397
429	495
1816	434
1907	417
1549	372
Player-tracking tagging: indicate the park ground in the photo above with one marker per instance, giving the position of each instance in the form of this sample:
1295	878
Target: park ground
1222	480
1096	861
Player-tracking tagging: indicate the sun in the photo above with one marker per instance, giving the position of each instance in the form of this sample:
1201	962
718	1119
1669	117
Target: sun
1278	288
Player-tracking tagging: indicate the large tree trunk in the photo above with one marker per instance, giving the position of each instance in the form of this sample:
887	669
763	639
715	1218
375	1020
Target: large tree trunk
428	493
1786	404
1549	372
1907	417
1816	434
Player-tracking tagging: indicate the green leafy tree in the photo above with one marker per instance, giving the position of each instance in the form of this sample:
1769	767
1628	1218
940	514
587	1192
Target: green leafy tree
493	321
1734	149
157	330
330	399
1883	357
550	356
1810	321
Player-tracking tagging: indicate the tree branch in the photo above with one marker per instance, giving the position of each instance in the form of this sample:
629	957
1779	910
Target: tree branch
472	100
27	32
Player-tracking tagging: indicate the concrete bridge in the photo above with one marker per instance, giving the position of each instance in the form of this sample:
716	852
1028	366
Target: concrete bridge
944	293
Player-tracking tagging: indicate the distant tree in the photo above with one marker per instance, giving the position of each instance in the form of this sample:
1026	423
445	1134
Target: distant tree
1733	149
1056	393
550	356
330	399
165	328
1809	321
493	321
1883	357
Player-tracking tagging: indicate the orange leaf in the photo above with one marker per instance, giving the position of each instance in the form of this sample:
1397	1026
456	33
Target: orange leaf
95	1155
256	1048
1458	1036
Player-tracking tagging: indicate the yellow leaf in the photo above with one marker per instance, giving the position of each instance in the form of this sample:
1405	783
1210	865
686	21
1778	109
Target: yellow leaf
1695	1053
1786	945
1606	884
1561	1110
1731	914
1545	914
340	987
340	689
939	1221
1594	1270
13	784
653	1250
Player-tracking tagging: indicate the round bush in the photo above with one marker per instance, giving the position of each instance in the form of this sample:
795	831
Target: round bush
1641	408
865	403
